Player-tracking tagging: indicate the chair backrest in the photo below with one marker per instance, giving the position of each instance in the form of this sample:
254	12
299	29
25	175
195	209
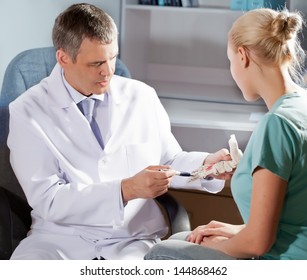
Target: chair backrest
30	67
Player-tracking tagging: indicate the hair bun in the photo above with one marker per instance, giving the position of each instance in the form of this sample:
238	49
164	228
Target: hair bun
285	26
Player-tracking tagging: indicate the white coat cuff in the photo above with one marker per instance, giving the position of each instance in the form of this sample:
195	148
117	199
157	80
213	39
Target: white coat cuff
118	206
189	162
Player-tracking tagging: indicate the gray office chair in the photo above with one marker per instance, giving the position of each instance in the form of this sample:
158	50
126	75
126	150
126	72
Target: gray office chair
25	70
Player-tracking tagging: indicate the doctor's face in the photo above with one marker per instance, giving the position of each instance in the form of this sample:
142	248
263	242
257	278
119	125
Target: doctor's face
93	69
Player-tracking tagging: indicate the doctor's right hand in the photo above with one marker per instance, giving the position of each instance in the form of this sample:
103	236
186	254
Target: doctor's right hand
151	182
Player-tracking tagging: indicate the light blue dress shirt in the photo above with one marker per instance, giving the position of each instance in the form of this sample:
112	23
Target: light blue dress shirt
101	114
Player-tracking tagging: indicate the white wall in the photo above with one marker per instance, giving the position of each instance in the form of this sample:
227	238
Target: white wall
301	5
26	24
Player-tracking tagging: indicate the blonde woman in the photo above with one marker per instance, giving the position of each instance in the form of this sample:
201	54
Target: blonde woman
270	183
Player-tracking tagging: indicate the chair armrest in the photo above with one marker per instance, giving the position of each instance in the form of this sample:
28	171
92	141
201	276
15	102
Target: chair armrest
177	215
5	227
15	222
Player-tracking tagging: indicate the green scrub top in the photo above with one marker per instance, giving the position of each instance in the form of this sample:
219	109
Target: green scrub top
279	144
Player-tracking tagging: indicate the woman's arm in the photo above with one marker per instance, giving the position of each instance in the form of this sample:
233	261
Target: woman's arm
259	234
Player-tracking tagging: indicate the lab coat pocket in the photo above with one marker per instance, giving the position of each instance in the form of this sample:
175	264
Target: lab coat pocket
142	155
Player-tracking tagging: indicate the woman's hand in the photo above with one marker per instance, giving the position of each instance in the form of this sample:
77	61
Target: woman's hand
214	232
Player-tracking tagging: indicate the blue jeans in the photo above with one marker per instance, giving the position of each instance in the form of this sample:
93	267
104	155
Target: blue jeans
176	248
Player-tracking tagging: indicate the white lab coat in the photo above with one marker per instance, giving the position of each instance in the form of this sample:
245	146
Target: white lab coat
73	186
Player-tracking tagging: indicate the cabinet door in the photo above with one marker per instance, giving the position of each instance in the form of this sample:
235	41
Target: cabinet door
204	207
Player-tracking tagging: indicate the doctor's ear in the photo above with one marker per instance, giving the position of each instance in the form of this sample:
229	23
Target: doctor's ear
244	58
62	57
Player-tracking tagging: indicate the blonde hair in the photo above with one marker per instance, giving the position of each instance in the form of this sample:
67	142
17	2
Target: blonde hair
270	37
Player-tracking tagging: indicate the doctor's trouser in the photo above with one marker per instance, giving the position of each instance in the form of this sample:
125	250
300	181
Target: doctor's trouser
46	246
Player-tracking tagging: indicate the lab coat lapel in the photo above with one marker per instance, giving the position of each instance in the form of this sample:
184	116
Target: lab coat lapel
65	109
118	107
58	95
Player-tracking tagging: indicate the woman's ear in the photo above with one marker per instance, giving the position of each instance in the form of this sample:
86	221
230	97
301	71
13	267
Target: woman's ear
243	57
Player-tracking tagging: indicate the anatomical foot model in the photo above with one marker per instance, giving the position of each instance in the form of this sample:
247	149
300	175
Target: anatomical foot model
220	167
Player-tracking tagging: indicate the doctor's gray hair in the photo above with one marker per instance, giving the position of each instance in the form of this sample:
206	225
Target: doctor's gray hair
80	21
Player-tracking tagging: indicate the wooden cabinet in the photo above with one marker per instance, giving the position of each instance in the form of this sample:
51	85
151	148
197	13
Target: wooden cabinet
203	207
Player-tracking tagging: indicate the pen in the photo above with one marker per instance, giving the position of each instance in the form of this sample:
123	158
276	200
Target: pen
179	173
186	174
183	173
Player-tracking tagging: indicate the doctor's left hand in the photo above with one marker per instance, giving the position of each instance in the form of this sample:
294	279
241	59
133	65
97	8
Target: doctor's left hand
151	182
220	155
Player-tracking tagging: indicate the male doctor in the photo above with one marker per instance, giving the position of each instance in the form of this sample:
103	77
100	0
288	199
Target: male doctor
94	198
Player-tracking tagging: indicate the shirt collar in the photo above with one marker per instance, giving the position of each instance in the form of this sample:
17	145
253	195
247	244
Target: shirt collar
78	97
